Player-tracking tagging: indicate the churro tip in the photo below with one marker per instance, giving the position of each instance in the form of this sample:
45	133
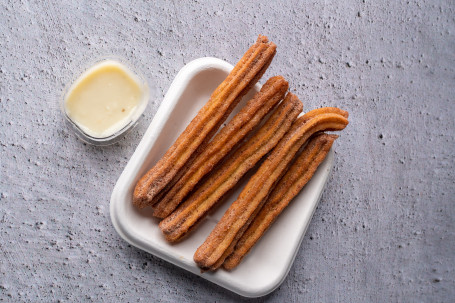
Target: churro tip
138	201
262	38
277	78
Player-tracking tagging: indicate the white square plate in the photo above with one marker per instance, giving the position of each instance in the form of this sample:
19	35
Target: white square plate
268	263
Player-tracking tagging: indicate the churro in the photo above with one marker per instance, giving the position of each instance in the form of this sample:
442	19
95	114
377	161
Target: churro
325	110
206	123
224	178
271	93
296	177
222	240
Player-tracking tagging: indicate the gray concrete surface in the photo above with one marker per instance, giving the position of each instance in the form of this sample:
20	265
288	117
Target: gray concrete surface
385	228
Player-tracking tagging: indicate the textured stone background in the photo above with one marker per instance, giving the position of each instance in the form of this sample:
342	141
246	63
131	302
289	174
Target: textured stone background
385	228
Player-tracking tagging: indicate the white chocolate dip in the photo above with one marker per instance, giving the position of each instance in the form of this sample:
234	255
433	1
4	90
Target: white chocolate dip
103	100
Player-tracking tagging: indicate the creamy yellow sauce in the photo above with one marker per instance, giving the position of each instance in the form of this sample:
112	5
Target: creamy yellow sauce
103	100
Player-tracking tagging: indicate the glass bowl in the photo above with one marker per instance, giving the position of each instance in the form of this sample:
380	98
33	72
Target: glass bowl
128	123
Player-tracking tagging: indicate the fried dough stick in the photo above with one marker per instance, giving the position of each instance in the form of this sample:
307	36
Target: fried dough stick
226	176
251	115
223	238
296	177
206	123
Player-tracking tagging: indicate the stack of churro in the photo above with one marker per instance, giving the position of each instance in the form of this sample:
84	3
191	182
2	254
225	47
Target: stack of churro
227	139
224	237
196	173
198	133
287	188
226	176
